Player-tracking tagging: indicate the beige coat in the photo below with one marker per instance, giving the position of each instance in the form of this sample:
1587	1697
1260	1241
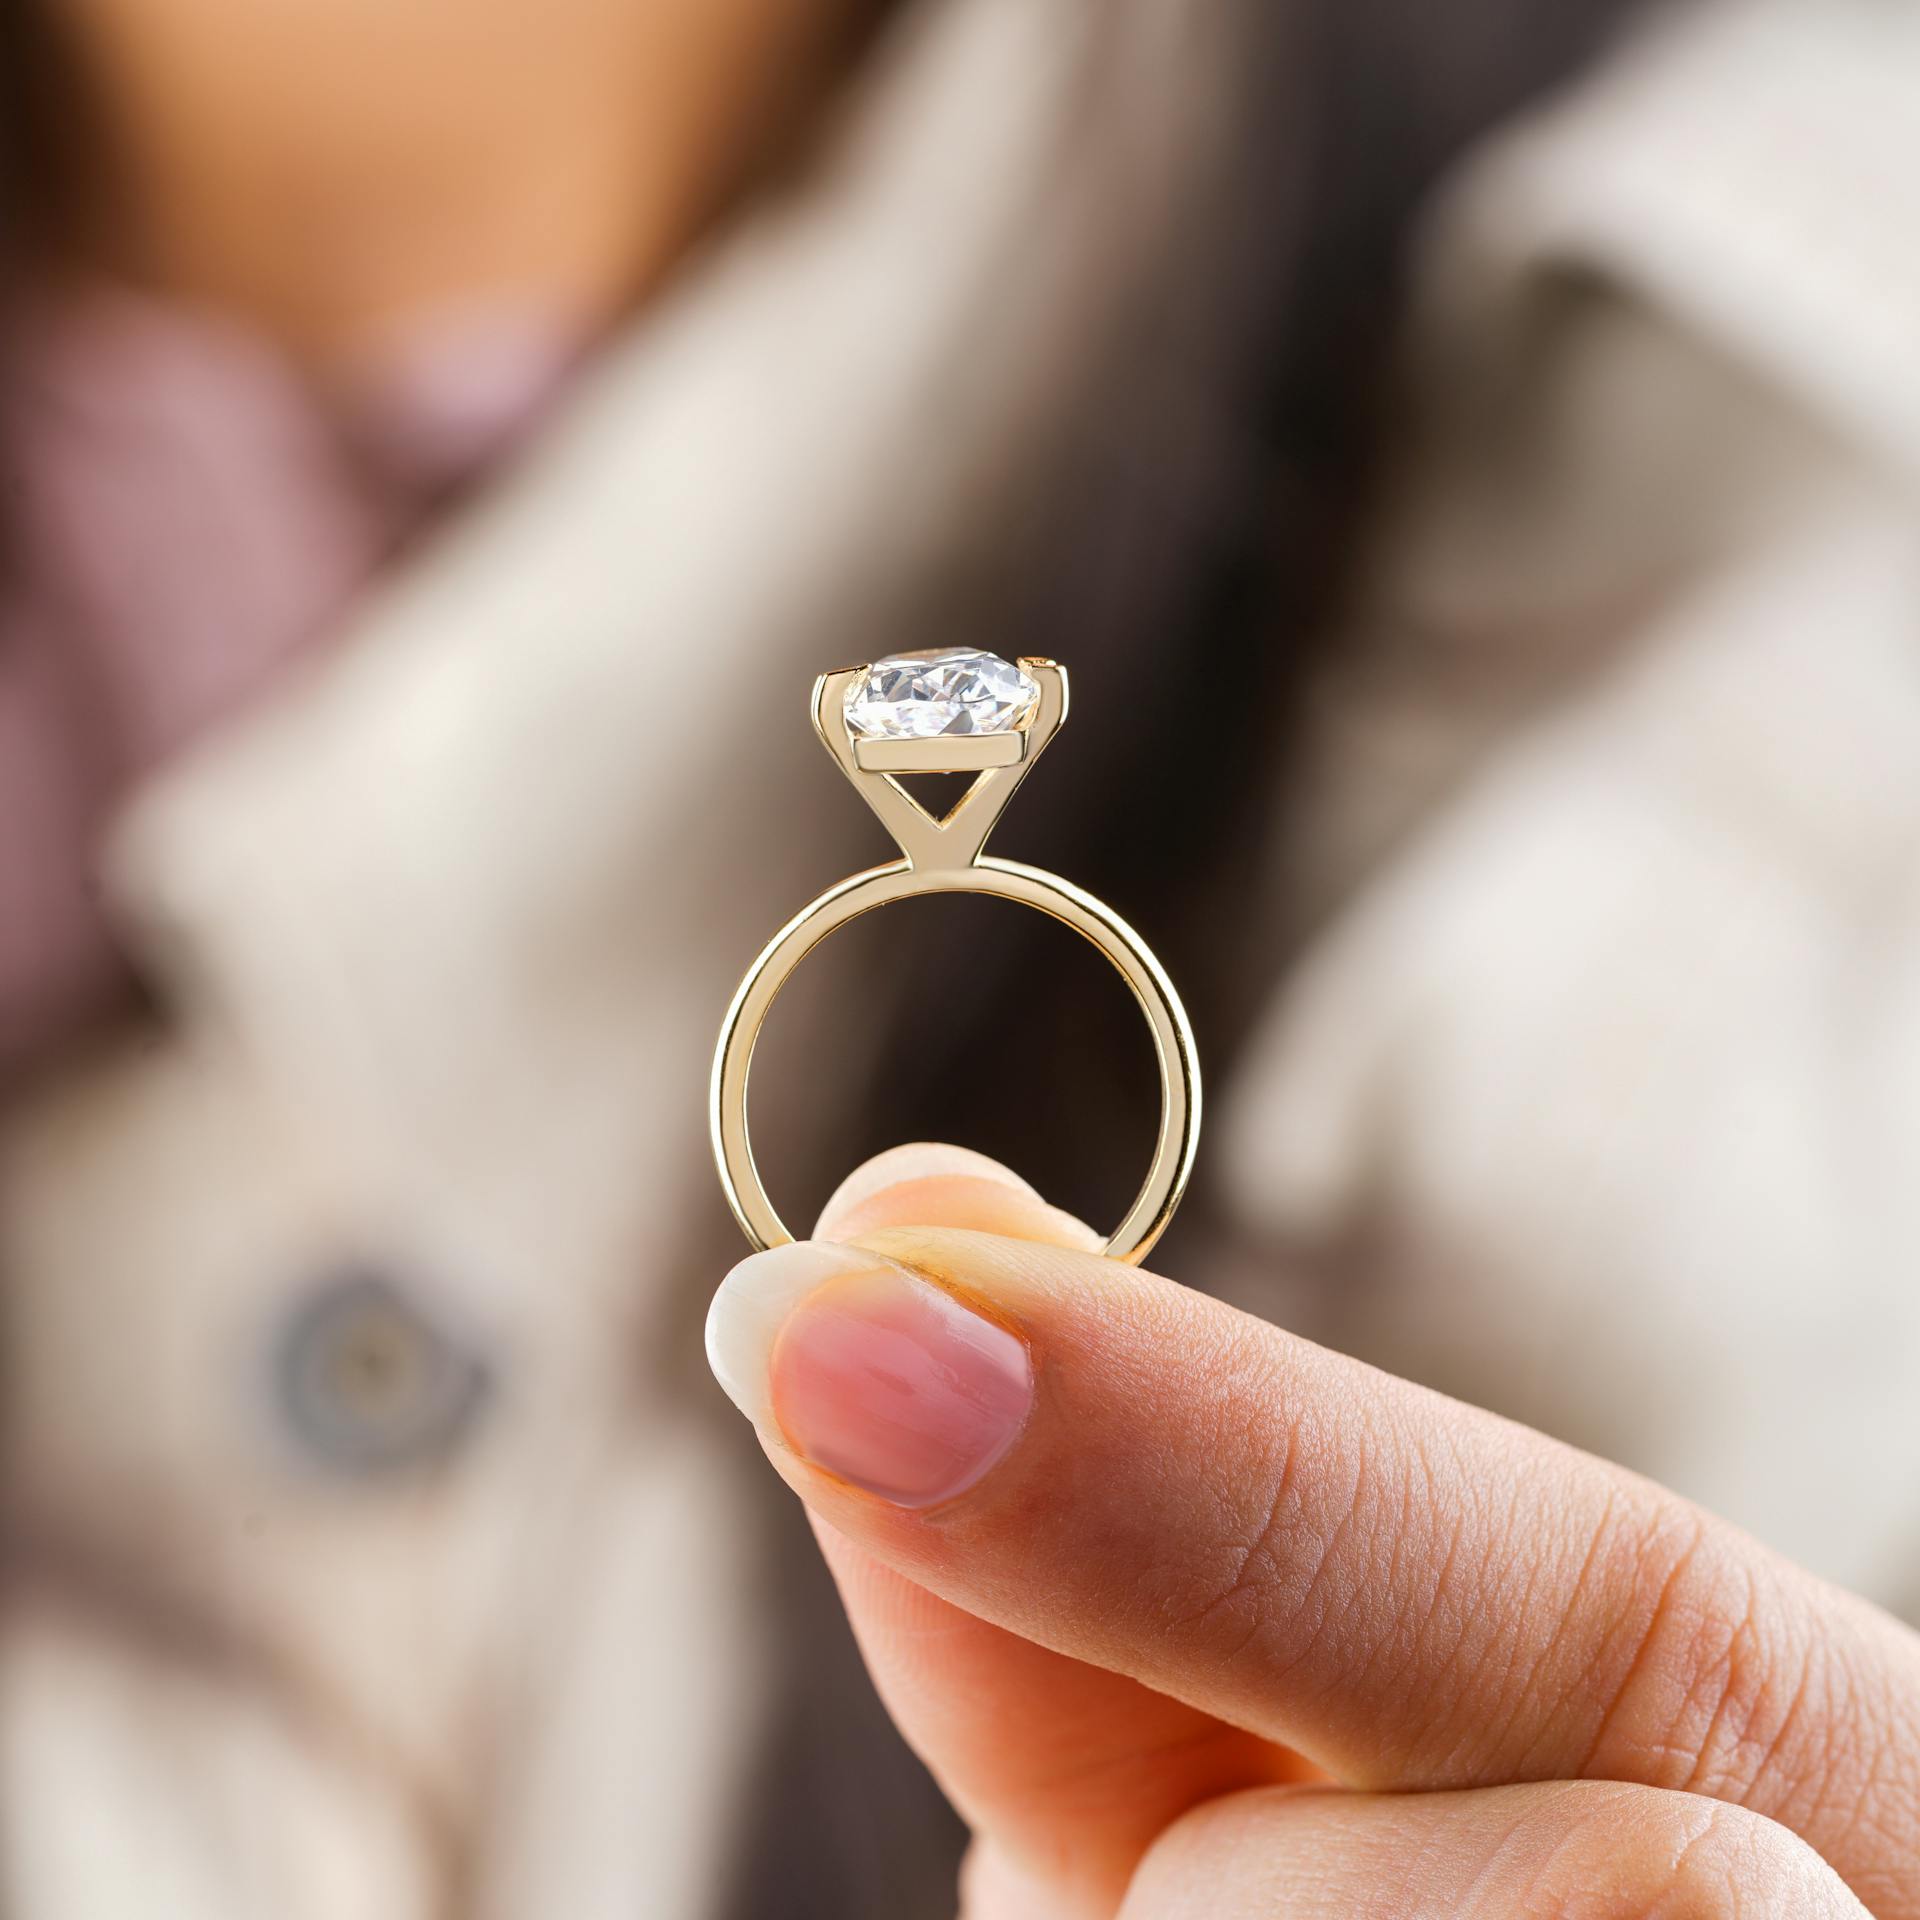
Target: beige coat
1603	1048
418	1159
1609	1039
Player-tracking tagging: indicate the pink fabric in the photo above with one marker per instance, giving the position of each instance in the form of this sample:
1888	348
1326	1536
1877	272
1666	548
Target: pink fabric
183	516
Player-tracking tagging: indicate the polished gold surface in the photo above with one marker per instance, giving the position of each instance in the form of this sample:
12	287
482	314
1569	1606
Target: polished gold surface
945	854
970	754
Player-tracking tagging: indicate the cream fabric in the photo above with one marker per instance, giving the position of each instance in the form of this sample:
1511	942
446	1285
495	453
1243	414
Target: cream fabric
1605	1034
1599	1078
445	935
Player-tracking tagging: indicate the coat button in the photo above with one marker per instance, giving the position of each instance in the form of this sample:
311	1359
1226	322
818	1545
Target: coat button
369	1383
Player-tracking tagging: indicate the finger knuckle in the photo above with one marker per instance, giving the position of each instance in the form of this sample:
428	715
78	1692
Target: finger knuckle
1720	1681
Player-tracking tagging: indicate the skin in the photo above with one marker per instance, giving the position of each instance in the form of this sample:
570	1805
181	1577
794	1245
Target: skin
1238	1627
339	172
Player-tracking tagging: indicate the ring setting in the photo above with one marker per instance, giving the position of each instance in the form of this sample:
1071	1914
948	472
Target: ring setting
951	711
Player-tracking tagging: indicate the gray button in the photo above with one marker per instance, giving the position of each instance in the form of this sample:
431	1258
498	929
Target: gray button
369	1382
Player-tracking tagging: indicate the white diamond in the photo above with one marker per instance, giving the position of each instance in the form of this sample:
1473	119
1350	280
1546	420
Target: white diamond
920	696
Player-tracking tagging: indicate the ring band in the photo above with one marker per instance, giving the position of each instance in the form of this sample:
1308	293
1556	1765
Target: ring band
946	855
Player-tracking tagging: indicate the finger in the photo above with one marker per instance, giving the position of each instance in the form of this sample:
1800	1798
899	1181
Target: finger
1412	1593
1067	1772
1593	1848
932	1184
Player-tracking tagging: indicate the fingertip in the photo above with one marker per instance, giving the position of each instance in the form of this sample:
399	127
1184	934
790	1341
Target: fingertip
752	1304
929	1184
907	1165
890	1384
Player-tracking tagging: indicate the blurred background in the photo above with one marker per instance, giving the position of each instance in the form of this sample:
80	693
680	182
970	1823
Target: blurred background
1469	458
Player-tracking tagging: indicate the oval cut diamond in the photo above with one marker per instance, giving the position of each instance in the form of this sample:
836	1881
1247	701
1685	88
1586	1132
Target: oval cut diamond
920	696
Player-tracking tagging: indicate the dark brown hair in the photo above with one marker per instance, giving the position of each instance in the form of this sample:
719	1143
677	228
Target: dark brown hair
37	141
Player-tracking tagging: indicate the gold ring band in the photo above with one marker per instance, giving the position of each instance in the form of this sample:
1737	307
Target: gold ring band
945	855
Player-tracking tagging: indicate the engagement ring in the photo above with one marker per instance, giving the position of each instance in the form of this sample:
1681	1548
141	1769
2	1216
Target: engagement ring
951	711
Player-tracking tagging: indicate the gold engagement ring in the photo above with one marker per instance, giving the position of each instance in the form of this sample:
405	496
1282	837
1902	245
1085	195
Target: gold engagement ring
951	711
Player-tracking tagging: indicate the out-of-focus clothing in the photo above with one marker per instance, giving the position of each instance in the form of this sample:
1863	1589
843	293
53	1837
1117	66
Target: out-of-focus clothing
1589	1079
383	1575
1599	1076
186	516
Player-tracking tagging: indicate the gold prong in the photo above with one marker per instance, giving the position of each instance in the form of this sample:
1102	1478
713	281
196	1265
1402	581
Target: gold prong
998	763
948	753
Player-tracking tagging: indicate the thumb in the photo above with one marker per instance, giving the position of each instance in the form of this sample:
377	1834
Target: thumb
1066	1772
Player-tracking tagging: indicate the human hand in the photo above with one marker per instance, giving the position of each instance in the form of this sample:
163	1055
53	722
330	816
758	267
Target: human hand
1196	1621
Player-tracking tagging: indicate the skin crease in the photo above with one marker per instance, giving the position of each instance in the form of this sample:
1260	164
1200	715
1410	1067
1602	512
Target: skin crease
1221	1568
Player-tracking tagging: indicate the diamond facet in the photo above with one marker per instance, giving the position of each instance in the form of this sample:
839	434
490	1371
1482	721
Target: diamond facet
920	696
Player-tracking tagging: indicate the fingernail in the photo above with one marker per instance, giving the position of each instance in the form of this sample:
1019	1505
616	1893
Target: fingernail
752	1306
869	1372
